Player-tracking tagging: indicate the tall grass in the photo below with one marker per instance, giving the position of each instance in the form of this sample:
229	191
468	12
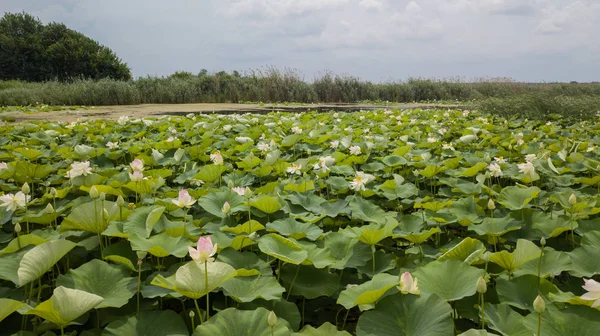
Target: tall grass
271	85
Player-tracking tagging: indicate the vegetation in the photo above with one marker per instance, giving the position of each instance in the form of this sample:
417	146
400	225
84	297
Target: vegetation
32	51
437	223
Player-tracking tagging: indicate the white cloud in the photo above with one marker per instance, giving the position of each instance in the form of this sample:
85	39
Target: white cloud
371	4
276	9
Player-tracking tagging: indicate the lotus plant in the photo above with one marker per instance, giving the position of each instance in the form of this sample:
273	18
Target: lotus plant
408	285
593	292
203	254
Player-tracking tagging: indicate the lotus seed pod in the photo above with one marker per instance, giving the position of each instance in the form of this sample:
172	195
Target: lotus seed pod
481	285
94	192
17	228
120	201
25	189
49	208
539	305
272	319
572	199
491	205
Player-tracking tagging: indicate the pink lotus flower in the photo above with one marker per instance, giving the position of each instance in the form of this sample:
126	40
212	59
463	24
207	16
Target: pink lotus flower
204	250
593	288
137	176
137	165
408	285
184	200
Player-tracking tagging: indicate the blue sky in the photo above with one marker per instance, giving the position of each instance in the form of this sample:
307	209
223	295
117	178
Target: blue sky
378	40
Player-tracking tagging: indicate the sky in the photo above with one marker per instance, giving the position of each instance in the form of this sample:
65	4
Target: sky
376	40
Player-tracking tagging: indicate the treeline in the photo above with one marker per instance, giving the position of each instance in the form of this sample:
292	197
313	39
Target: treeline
32	51
269	86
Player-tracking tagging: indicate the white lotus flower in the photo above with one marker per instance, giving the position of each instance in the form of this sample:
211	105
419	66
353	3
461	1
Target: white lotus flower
13	202
184	200
323	164
112	145
334	144
123	120
520	142
137	165
296	130
136	176
263	147
148	122
530	157
294	169
500	159
238	190
216	158
432	139
526	168
361	180
495	170
447	146
408	285
3	165
197	183
79	169
593	292
355	150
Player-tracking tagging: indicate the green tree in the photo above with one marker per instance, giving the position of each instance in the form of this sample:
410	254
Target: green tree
32	51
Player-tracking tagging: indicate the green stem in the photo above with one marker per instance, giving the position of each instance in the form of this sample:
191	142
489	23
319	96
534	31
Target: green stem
62	331
292	284
207	293
373	258
139	283
345	318
540	267
482	299
539	325
198	311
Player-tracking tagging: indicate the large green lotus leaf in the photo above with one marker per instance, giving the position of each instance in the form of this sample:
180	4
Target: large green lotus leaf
266	204
468	250
246	263
407	315
108	190
522	291
65	305
247	289
233	322
586	258
553	264
367	211
309	202
326	329
550	226
89	217
21	242
523	253
416	237
373	233
504	320
517	198
161	245
9	265
476	332
309	282
249	227
189	280
369	292
300	187
282	248
213	202
146	186
41	258
466	211
142	220
98	277
8	306
284	309
297	230
575	320
210	173
224	240
23	171
318	257
496	226
248	162
433	279
122	254
43	217
348	252
148	323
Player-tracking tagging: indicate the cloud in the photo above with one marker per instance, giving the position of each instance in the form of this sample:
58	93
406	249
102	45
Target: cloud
371	4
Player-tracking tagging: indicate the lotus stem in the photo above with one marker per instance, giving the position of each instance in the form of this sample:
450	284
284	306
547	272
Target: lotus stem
292	284
139	280
207	292
198	311
373	258
539	333
345	318
482	299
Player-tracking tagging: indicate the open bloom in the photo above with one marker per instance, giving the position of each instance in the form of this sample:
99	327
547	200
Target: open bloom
13	202
448	146
263	147
184	200
408	285
294	169
593	288
360	181
323	164
78	169
495	170
137	165
355	150
334	144
216	158
136	176
500	159
112	145
296	130
204	250
526	168
530	157
3	165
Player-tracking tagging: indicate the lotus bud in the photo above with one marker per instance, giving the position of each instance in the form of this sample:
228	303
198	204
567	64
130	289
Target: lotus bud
102	196
192	314
25	189
230	184
53	192
17	228
539	305
491	205
543	241
226	208
248	193
49	208
253	236
94	192
141	254
572	199
481	286
272	319
120	201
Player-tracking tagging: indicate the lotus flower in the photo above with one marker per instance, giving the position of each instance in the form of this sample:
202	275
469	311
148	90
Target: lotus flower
593	288
137	176
355	150
226	208
408	285
360	181
184	200
79	169
112	145
526	168
216	158
204	250
137	165
13	202
495	170
238	190
3	165
294	169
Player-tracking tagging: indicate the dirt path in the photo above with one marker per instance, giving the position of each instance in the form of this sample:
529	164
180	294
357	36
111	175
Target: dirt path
156	110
